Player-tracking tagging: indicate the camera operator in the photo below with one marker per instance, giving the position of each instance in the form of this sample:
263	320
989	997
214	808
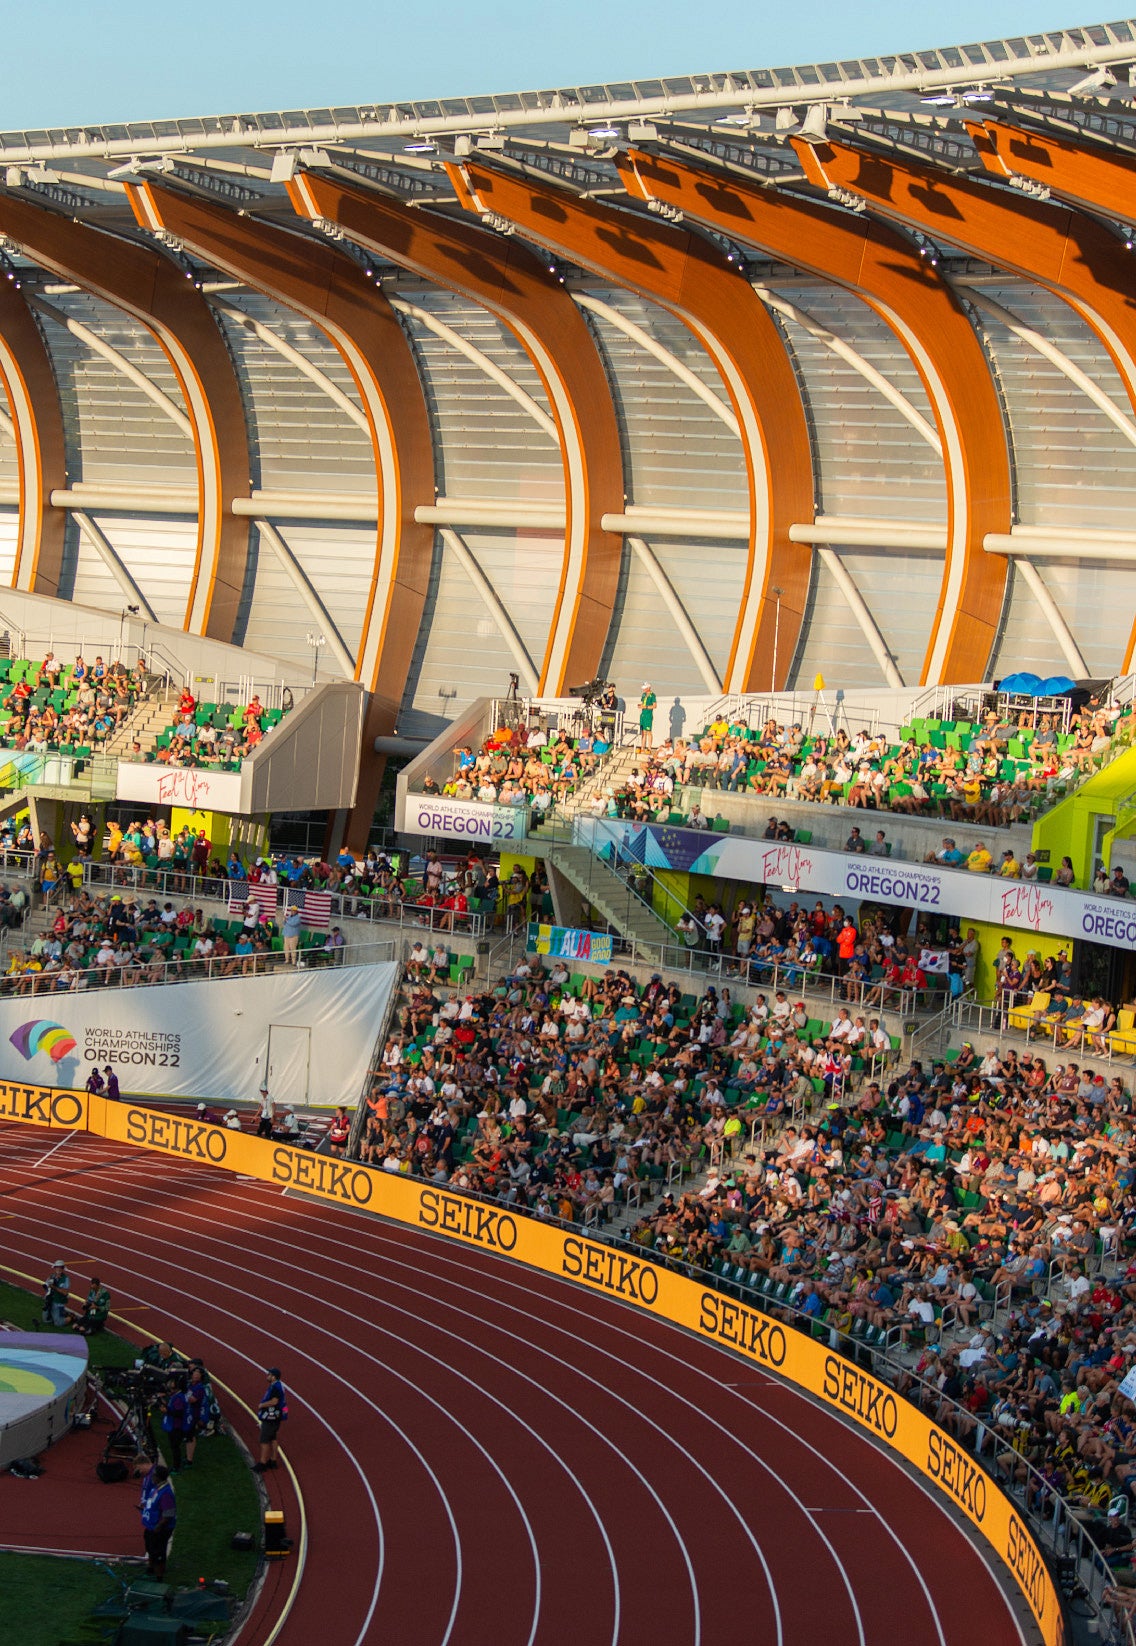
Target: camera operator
95	1309
158	1507
56	1292
177	1419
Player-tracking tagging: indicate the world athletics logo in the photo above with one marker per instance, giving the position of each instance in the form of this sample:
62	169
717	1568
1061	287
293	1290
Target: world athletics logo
42	1036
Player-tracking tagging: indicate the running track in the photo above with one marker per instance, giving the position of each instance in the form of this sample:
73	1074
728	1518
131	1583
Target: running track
493	1457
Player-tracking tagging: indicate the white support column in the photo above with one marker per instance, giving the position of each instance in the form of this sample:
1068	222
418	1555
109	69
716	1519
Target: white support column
128	369
308	594
1049	351
110	558
285	350
645	341
481	361
645	555
864	368
1062	633
859	610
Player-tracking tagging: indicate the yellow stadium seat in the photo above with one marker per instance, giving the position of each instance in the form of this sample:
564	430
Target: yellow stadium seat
1122	1040
1022	1016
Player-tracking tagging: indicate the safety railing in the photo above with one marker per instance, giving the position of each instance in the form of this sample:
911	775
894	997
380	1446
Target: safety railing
138	879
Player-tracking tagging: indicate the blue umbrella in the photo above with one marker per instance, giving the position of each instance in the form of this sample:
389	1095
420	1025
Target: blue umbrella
1022	685
1056	686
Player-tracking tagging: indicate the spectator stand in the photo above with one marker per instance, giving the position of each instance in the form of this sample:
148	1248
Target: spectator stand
405	904
125	941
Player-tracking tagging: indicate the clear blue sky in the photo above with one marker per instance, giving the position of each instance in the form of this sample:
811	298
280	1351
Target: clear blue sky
75	61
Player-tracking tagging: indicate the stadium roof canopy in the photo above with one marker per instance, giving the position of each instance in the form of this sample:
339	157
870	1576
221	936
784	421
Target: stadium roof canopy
483	376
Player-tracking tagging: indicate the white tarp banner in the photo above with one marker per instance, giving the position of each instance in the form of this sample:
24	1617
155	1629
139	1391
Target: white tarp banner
198	791
311	1032
433	814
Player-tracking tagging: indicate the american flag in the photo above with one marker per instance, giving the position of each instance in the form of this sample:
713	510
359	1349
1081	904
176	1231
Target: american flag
317	910
266	896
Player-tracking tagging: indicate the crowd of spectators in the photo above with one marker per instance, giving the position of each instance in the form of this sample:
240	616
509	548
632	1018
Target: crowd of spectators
522	766
68	708
212	735
98	941
992	773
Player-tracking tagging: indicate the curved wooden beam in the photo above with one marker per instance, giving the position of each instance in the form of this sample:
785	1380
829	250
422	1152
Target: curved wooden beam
1068	253
688	277
883	268
1084	176
41	455
327	287
154	290
507	279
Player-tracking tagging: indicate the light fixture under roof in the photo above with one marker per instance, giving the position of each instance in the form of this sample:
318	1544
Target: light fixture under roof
1100	79
420	148
603	131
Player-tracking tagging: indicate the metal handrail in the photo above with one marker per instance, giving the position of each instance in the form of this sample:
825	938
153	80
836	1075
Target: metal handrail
139	878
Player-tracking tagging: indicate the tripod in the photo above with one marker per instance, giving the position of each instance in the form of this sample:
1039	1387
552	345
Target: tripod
135	1432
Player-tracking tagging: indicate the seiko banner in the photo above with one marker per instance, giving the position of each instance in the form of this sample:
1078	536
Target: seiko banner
925	887
311	1035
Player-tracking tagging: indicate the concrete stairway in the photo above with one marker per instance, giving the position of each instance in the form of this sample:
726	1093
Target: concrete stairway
151	717
610	896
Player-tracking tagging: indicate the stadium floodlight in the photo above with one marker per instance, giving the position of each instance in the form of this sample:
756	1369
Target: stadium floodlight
814	127
1100	79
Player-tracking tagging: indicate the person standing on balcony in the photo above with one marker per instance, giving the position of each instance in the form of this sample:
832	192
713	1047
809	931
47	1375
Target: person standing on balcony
647	702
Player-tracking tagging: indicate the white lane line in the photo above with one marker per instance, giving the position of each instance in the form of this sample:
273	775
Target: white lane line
380	1235
66	1138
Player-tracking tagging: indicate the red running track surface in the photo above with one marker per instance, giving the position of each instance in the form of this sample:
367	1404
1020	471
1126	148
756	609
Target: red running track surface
493	1457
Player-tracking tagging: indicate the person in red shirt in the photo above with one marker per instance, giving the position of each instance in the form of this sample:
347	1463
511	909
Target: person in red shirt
846	940
187	704
912	977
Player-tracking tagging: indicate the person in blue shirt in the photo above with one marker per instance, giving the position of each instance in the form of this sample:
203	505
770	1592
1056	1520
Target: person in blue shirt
158	1508
271	1412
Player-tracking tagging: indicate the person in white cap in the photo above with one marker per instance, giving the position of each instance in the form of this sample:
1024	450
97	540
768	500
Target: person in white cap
291	934
56	1291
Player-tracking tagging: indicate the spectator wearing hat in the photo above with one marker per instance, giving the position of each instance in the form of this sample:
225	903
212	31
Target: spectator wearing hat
291	935
56	1292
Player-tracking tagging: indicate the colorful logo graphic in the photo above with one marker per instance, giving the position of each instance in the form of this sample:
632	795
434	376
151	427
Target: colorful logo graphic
42	1036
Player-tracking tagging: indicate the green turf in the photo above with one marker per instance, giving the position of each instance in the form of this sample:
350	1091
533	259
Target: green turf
48	1601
